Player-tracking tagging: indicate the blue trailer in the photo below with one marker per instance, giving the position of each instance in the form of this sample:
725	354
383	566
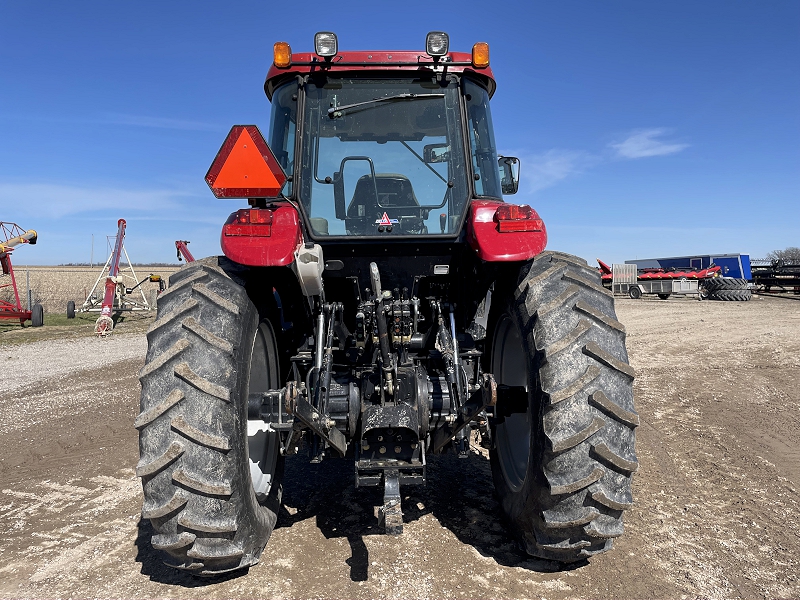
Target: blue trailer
733	265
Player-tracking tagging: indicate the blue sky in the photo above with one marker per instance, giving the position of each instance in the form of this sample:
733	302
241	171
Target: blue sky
645	128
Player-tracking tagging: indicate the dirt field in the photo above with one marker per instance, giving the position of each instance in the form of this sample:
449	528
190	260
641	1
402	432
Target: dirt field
716	498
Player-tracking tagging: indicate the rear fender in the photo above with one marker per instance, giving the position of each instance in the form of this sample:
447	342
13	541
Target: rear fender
492	245
270	240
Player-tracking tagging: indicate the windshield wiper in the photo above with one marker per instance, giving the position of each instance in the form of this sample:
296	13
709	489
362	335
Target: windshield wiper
337	111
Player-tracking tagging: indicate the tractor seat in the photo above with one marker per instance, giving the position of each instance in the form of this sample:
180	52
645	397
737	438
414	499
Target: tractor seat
394	191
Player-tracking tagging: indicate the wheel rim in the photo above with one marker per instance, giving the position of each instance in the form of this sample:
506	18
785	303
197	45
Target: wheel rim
263	443
513	435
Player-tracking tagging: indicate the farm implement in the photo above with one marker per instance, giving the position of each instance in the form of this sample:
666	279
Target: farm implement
773	276
182	248
12	236
626	279
116	296
606	273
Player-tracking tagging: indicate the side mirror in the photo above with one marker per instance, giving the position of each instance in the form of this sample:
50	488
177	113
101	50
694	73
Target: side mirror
509	171
436	153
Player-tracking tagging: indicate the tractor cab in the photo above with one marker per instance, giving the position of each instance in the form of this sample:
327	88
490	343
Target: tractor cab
385	156
383	144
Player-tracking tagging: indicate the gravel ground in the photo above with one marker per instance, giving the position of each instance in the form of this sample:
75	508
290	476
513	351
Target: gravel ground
23	365
716	510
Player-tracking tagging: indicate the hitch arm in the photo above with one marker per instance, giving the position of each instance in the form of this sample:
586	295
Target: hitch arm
315	416
322	391
470	410
383	328
321	424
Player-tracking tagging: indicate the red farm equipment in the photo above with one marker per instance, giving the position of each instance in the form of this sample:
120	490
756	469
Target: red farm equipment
182	248
379	302
708	283
11	236
116	296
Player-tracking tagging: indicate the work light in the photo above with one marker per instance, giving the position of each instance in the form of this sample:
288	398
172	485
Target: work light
326	44
437	43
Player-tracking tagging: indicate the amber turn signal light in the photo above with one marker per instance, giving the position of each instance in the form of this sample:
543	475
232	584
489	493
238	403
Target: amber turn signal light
480	55
282	54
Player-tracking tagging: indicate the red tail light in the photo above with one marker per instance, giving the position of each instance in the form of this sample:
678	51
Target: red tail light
517	217
253	222
261	217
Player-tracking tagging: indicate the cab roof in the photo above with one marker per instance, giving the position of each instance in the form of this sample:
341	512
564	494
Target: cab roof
379	62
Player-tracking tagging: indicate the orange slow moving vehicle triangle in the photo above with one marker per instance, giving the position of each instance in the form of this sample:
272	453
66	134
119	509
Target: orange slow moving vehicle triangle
245	167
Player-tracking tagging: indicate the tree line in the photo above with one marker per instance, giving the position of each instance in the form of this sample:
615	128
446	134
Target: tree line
788	256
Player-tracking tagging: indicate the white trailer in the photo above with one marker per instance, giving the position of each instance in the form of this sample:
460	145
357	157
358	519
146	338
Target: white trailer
625	281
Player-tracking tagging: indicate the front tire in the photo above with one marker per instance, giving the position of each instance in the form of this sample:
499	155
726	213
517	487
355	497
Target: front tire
563	463
211	478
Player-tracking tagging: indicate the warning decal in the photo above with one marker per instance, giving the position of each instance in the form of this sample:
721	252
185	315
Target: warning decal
386	221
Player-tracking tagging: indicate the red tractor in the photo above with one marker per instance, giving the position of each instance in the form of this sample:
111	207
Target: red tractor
379	302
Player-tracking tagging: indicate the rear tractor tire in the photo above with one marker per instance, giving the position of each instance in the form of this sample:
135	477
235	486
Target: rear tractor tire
563	464
211	478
